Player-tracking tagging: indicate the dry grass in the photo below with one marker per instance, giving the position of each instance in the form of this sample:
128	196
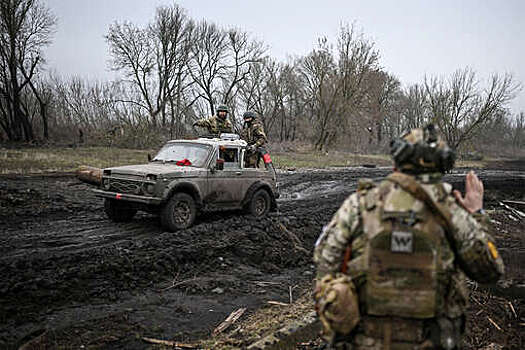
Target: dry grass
477	164
264	321
326	159
44	160
62	159
285	160
249	329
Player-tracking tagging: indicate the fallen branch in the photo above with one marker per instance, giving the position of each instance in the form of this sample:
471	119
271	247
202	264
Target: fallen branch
290	290
514	202
265	283
512	210
171	343
234	316
476	300
513	311
176	284
494	324
271	302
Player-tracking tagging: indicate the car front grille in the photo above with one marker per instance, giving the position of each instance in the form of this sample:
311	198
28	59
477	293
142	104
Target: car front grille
125	186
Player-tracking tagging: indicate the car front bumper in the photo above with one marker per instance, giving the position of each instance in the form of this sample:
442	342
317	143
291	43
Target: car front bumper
128	197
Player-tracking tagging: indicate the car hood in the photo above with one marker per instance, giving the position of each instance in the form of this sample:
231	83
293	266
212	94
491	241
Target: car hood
156	168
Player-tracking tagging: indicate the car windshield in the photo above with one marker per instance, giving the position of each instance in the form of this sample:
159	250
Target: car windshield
175	152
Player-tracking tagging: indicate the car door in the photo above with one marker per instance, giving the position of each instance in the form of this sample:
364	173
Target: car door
225	186
250	176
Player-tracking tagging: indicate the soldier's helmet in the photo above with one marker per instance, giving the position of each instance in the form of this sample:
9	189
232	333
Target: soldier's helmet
249	115
222	108
422	150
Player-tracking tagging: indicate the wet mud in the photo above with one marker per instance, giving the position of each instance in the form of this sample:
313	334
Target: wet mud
72	278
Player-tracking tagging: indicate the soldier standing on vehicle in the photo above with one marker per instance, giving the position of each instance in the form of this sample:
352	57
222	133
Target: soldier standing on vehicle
392	262
216	124
253	134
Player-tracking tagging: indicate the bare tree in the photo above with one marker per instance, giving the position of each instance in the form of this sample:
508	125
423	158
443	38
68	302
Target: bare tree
43	93
172	34
221	62
154	61
461	108
518	135
133	53
271	89
383	93
26	27
207	63
416	112
322	90
336	85
243	53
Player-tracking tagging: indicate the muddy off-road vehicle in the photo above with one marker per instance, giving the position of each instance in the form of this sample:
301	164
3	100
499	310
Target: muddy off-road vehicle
189	176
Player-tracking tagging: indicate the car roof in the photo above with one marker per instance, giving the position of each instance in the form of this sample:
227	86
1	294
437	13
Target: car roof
213	142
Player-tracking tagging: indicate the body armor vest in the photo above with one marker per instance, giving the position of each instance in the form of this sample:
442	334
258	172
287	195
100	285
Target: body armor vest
404	258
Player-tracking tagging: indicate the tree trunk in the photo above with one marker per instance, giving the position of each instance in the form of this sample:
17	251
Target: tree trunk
379	133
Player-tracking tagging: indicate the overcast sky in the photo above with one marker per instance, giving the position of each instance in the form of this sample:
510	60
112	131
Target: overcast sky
415	38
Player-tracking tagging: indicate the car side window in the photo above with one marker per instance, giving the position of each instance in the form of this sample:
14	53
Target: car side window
231	157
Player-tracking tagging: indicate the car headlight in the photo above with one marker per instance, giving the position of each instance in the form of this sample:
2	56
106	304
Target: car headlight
150	188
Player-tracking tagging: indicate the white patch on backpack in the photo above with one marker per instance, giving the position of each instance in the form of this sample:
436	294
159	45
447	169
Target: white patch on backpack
402	242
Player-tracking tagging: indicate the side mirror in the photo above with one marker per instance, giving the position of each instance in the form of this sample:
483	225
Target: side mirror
149	157
220	164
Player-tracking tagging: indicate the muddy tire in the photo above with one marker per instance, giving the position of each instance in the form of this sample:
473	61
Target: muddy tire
179	212
118	211
260	203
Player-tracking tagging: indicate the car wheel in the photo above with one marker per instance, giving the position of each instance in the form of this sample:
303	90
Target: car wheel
260	203
179	212
118	211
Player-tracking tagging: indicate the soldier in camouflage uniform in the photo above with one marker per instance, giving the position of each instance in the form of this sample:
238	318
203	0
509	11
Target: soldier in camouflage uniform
253	134
392	263
216	124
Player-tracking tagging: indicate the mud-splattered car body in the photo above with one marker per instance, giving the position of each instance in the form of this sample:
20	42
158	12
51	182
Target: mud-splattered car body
215	179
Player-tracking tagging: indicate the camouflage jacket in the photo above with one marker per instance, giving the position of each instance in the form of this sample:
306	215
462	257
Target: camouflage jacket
215	125
443	258
254	134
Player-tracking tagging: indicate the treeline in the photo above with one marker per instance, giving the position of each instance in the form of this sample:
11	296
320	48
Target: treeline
175	69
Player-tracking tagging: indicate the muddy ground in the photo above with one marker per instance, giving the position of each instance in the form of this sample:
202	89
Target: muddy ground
81	281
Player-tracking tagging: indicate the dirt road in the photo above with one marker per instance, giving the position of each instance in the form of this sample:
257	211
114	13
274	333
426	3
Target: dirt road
77	278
